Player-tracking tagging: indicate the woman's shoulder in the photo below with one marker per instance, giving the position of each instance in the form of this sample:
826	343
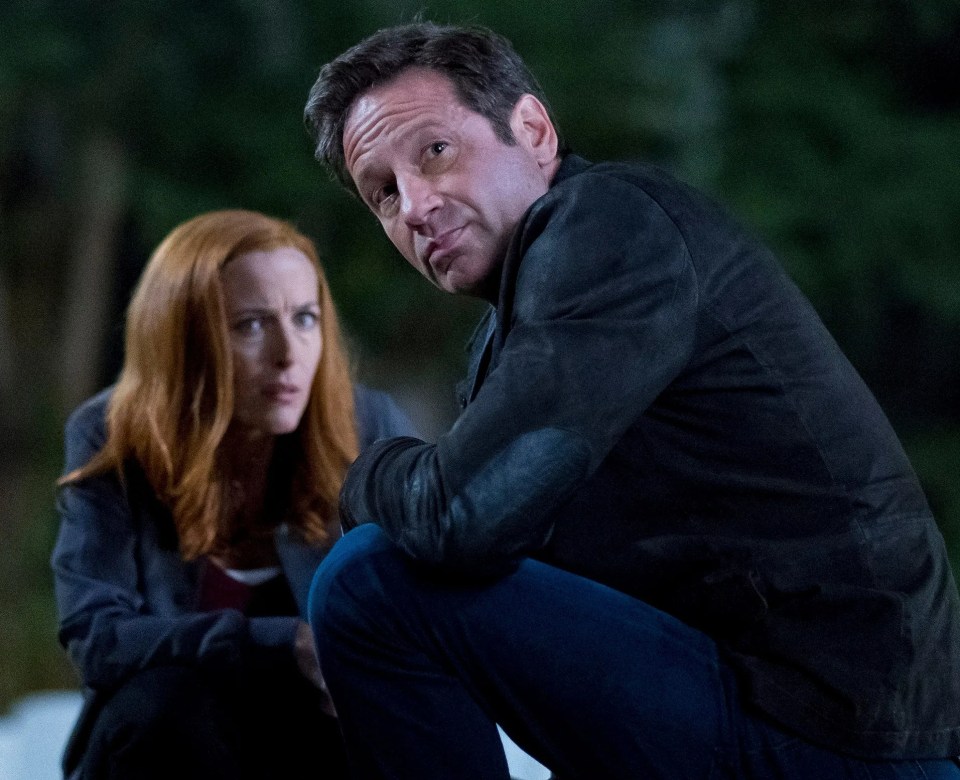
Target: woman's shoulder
86	426
379	416
91	412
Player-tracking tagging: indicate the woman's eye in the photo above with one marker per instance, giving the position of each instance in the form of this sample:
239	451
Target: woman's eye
306	319
251	326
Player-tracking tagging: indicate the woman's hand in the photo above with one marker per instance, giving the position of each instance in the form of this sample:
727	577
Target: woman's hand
306	654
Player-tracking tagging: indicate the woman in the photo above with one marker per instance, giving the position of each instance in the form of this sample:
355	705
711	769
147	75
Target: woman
200	494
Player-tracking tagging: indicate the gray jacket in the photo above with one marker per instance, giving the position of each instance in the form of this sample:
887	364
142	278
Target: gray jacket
126	598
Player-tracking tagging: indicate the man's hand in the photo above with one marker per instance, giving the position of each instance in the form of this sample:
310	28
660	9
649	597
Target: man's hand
306	654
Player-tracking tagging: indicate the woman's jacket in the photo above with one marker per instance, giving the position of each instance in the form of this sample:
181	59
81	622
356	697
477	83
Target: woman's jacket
126	598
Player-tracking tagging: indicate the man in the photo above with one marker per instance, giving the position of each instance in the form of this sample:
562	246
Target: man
672	534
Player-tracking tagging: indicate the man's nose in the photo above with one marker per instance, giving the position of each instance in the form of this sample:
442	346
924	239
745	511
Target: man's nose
418	198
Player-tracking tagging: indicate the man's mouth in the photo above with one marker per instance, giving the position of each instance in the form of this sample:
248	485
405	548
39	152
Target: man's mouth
439	251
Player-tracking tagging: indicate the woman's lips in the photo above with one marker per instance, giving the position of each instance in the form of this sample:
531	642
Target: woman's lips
281	391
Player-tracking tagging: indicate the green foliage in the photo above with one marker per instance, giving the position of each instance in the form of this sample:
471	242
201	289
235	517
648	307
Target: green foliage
832	161
935	454
30	658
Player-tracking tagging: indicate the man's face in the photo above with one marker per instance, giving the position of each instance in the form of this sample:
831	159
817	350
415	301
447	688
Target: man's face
447	191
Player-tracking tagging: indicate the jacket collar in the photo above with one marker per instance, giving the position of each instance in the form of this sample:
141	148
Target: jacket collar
481	344
571	165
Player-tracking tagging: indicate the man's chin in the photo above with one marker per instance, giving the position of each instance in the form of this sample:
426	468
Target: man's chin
458	278
454	283
475	288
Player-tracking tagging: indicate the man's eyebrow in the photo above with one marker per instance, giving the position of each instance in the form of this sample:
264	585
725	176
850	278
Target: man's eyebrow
362	173
361	176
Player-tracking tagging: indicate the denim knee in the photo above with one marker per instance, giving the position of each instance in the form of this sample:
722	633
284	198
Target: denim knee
356	546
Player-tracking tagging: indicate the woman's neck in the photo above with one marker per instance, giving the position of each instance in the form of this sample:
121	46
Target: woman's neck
246	533
247	456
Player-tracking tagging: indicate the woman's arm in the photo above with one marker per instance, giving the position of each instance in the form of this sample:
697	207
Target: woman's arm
124	603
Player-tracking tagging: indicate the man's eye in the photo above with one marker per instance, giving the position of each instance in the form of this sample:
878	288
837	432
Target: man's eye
384	199
438	147
384	194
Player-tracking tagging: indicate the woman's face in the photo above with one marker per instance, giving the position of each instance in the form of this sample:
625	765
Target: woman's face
273	317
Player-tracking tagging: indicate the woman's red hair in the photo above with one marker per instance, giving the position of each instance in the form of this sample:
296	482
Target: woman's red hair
173	402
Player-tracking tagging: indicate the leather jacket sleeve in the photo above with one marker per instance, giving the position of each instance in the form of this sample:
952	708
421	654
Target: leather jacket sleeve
594	319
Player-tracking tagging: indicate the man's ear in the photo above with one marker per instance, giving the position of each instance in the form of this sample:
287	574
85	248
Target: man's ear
533	129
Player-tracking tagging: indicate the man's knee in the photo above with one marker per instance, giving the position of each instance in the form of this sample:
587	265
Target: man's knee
349	569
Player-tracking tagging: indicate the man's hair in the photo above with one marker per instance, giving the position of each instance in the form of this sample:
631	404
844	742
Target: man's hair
488	75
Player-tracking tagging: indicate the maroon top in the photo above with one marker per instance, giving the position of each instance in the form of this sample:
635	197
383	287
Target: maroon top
218	590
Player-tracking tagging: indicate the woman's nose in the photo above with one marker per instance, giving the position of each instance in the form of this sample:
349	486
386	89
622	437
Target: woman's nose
283	347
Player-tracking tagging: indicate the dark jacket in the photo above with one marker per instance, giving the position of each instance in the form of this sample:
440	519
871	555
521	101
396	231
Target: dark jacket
654	405
127	600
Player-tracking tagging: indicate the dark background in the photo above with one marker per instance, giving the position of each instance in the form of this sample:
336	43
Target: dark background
831	127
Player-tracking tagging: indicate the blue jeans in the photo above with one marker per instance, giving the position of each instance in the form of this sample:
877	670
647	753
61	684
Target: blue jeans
590	682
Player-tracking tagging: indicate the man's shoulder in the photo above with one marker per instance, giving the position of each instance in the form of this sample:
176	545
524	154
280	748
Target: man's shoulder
625	197
577	172
601	229
607	204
